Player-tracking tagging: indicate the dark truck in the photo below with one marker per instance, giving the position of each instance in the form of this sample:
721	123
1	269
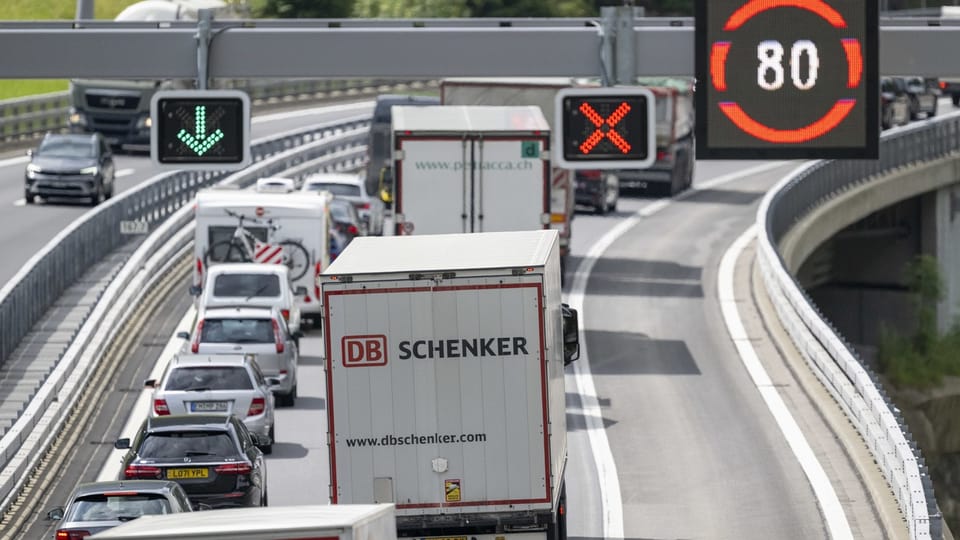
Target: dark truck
674	165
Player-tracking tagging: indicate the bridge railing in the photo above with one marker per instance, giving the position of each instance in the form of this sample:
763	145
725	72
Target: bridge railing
855	386
26	118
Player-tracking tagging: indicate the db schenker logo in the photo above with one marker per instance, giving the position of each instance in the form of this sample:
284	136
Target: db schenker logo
364	351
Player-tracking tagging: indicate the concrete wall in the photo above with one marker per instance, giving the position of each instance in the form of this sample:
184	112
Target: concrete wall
947	205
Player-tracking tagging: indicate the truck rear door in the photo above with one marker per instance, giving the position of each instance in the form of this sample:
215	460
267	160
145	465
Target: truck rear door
511	185
437	394
434	186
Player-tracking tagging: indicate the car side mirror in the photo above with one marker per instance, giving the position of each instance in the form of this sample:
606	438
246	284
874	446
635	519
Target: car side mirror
300	291
260	440
273	381
150	383
571	334
55	514
204	506
30	152
122	444
195	290
183	335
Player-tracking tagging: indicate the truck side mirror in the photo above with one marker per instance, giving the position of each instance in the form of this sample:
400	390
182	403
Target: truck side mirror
571	334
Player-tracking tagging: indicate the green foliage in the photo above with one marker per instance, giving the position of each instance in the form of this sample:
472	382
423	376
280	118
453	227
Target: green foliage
304	9
923	359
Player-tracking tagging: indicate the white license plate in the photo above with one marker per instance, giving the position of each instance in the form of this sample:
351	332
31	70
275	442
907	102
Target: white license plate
208	406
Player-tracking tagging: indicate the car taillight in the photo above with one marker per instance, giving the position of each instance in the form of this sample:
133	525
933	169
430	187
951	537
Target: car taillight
590	175
257	406
363	206
234	468
63	534
943	85
199	271
142	471
352	229
277	338
286	314
160	407
661	155
195	346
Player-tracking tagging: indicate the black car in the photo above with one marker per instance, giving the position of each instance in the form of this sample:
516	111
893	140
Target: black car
70	165
98	506
214	458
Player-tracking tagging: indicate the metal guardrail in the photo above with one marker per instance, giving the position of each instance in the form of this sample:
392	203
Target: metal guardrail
30	117
335	145
855	386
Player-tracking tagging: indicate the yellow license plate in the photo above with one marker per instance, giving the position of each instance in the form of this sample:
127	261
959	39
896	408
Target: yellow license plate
181	474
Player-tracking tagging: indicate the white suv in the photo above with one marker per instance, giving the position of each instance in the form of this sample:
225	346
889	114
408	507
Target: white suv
251	285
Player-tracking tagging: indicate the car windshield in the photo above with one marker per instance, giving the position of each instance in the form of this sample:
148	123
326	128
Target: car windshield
246	285
67	147
347	190
120	506
168	445
209	378
340	212
237	331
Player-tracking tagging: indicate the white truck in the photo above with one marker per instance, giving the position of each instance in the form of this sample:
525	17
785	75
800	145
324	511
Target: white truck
540	92
290	228
445	361
314	522
463	169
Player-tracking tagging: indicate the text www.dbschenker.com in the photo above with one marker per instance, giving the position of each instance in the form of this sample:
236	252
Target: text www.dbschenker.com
393	440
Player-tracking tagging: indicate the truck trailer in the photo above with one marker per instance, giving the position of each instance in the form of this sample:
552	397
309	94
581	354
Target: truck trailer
445	361
314	522
540	92
462	169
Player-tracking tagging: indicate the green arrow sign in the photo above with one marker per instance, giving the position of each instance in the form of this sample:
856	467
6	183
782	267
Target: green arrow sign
200	142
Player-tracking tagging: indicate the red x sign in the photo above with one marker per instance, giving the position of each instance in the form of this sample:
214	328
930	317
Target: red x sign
599	121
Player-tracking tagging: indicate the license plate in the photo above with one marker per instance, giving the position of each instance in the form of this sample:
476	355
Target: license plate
208	406
186	474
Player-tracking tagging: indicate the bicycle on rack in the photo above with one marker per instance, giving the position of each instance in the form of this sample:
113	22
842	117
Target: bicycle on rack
242	247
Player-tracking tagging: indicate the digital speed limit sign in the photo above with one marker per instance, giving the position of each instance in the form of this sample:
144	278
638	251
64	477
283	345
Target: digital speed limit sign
787	79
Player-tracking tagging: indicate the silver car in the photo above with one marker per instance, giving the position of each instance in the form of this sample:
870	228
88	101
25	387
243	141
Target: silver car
98	506
259	331
349	187
217	384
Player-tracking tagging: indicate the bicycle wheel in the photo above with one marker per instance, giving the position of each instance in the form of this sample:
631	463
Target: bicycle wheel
297	259
226	251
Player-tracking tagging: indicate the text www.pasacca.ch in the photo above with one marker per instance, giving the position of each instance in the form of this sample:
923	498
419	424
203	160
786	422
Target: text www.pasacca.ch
407	440
519	165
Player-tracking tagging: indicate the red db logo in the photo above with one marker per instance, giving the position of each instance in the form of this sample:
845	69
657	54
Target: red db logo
364	351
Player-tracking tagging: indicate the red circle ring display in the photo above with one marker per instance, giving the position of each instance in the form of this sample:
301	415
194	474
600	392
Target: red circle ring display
830	120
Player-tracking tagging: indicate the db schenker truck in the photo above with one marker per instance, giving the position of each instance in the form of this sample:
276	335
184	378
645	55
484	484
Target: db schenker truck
461	169
313	522
445	361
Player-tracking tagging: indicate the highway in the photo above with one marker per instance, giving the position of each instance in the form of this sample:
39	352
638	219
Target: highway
24	229
696	452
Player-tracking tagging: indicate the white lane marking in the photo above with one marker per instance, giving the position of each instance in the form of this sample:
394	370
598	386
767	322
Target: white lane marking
610	500
306	112
123	172
20	202
141	408
822	488
14	161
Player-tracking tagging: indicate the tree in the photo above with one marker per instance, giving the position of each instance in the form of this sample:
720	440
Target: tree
306	9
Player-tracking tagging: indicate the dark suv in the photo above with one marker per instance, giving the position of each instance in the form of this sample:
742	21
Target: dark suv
214	458
70	165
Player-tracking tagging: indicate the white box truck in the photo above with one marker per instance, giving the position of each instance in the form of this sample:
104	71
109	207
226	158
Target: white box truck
315	522
445	361
290	228
461	169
